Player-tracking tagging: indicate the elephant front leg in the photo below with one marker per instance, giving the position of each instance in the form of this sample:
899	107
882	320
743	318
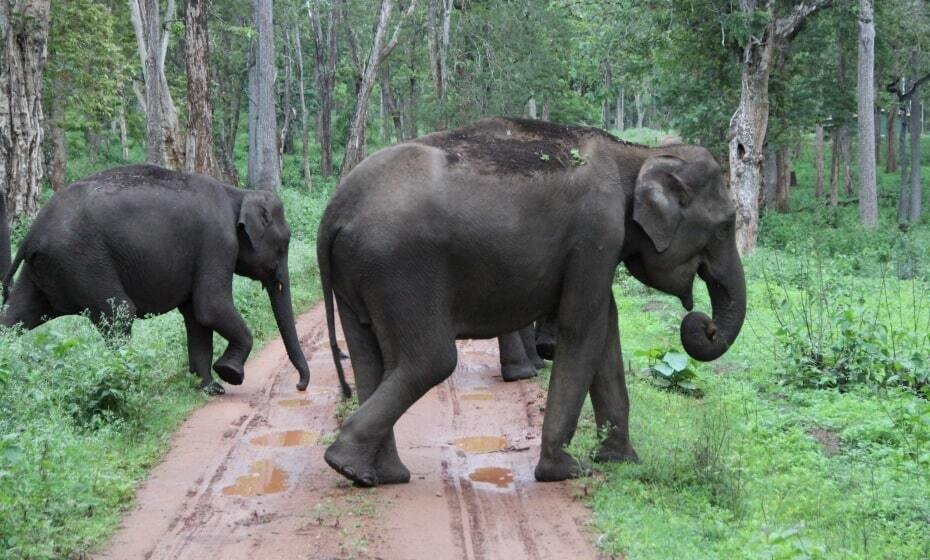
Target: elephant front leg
200	351
515	364
582	332
214	309
610	399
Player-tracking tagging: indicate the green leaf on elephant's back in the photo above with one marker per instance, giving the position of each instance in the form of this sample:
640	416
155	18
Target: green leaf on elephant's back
676	360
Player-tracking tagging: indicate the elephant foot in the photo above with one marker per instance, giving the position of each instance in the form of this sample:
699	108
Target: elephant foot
561	466
302	384
516	372
616	454
538	363
392	471
213	388
353	462
229	371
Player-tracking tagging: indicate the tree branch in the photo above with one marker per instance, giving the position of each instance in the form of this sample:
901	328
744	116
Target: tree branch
789	26
389	47
904	96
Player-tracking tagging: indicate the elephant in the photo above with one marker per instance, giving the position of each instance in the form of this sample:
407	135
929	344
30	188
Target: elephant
479	231
518	356
141	240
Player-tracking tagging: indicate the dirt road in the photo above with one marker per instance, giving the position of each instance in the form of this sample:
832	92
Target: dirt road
245	477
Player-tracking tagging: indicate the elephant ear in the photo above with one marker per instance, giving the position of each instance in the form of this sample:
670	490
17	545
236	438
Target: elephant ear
254	217
658	199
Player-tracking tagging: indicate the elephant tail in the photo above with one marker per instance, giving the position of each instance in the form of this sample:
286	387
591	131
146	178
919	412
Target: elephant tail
8	277
324	253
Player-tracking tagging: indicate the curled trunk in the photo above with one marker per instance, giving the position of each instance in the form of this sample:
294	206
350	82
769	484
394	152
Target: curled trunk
279	292
707	339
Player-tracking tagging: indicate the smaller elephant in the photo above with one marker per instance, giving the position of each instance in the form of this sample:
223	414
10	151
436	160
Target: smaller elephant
145	240
519	359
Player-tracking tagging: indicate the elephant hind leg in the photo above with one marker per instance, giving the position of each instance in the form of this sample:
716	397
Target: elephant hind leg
27	305
515	364
528	335
419	355
368	370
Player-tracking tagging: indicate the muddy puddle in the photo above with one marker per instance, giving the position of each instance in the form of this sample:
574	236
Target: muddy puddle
498	476
294	403
481	444
265	478
290	438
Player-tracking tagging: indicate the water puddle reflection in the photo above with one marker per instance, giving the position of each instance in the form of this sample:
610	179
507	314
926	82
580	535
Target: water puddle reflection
481	444
294	403
265	478
480	395
498	476
290	438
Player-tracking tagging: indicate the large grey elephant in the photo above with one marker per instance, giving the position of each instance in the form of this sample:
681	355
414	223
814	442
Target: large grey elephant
479	231
146	240
518	356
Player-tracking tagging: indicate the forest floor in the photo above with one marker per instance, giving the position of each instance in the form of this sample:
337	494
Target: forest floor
245	476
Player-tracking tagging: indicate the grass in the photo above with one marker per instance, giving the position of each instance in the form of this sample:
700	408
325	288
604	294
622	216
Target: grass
762	466
84	422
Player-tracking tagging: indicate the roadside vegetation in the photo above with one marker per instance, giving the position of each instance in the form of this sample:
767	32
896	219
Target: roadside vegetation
84	422
811	437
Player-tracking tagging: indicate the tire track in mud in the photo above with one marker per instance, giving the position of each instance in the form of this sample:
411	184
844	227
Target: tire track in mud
245	476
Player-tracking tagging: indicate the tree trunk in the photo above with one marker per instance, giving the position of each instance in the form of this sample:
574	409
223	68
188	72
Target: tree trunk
769	176
891	158
439	19
640	110
818	161
263	126
835	156
847	159
904	199
868	192
531	107
285	142
410	104
123	137
58	161
620	111
916	191
545	109
783	181
325	53
199	154
380	50
23	51
878	135
304	120
164	145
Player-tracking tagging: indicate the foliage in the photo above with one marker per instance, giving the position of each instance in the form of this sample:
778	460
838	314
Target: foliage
671	370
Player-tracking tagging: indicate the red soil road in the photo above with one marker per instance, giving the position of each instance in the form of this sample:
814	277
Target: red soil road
245	477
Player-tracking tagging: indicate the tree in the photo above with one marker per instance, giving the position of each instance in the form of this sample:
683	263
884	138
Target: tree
325	56
868	192
199	153
355	144
264	169
164	145
749	123
24	28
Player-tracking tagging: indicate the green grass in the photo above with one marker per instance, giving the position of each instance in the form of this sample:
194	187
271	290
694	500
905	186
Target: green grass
83	423
741	473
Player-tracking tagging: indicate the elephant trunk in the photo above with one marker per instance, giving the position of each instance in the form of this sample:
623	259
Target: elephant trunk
279	291
707	339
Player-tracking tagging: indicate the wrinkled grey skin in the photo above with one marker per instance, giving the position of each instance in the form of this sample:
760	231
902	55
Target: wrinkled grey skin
473	234
146	240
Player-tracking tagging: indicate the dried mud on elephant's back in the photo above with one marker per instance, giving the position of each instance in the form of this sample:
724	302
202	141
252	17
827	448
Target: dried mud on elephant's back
245	477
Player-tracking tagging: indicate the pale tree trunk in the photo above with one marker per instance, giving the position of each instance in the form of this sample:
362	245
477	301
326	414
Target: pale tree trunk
263	125
531	107
620	111
818	161
608	86
394	118
324	50
847	159
304	120
891	158
749	123
904	198
868	192
439	18
123	136
783	180
836	153
23	51
164	144
410	103
380	50
640	109
769	176
58	161
200	157
285	142
916	191
545	109
878	134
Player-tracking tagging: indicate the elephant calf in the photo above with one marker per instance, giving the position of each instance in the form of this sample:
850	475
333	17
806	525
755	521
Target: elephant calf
147	240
